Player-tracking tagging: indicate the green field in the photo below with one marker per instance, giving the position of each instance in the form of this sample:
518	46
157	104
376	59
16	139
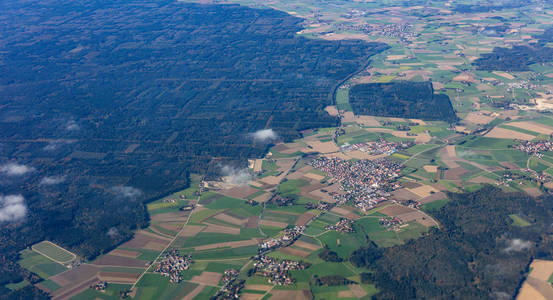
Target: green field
434	205
342	99
518	221
17	285
154	286
53	252
39	264
112	292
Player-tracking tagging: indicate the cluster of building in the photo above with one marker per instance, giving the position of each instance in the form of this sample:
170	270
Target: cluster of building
512	177
283	201
521	85
173	264
286	239
277	271
535	148
320	206
378	147
364	182
538	177
403	31
412	204
231	286
355	13
344	225
100	286
391	223
534	176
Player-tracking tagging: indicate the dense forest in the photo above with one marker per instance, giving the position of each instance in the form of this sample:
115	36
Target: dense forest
401	99
480	7
518	58
106	105
476	254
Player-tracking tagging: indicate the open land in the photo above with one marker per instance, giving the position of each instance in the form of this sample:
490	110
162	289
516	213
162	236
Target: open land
373	177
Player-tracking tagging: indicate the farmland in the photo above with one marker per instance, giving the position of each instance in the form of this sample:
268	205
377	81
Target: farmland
54	252
404	135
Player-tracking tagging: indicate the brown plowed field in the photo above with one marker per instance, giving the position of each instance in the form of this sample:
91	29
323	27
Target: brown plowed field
194	292
76	275
395	210
295	252
368	121
405	194
125	253
240	192
454	173
230	219
249	296
273	223
290	295
140	240
306	245
252	222
191	230
222	229
112	260
502	133
357	290
258	287
207	278
437	196
180	216
73	290
234	244
155	246
305	218
118	277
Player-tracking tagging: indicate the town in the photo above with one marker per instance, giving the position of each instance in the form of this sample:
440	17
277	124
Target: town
378	147
365	182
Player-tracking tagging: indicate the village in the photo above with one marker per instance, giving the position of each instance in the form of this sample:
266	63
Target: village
277	271
287	238
535	148
173	264
231	286
344	225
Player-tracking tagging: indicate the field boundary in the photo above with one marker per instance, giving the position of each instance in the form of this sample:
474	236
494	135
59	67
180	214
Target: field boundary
55	260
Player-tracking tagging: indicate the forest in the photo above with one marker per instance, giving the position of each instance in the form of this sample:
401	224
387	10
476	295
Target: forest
476	254
488	7
518	58
415	100
110	105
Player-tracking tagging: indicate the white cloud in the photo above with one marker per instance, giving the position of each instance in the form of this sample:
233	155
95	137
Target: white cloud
127	192
236	176
113	232
518	245
51	180
13	169
55	144
72	126
264	135
12	208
